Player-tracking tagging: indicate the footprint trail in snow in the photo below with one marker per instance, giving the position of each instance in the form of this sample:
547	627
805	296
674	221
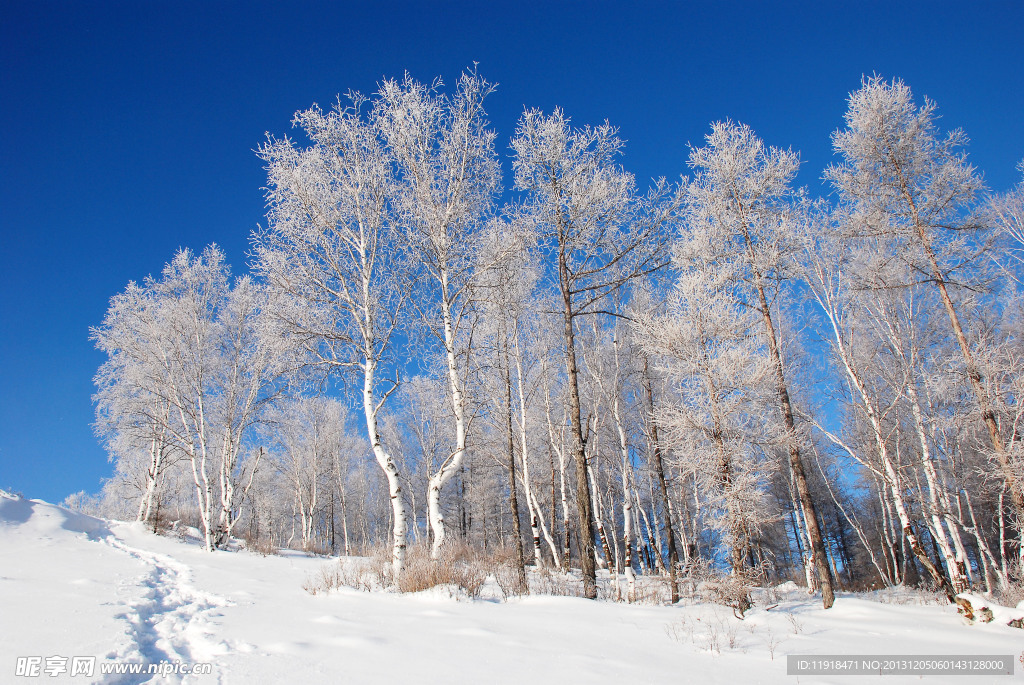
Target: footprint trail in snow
170	621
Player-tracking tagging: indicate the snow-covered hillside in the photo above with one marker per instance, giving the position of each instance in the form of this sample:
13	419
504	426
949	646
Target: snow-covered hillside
75	586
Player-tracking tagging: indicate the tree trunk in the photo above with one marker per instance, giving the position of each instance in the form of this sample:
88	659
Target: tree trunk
513	500
399	521
659	470
796	463
584	509
454	462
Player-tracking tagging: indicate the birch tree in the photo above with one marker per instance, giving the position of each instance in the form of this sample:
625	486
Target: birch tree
507	279
736	214
448	178
901	178
611	376
132	414
331	252
596	235
859	336
195	344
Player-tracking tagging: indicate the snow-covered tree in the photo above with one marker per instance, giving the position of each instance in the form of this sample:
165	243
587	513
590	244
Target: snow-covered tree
331	253
448	176
736	215
308	441
873	331
711	349
194	345
596	234
900	177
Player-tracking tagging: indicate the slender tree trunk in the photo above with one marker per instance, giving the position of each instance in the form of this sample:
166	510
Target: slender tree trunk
795	462
609	561
339	477
146	504
399	519
954	563
627	494
513	500
584	511
564	498
659	470
1000	572
452	464
536	515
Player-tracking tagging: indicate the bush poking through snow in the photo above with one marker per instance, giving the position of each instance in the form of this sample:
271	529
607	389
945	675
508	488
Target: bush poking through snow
545	581
710	584
358	574
1012	594
653	590
326	579
459	568
263	547
507	578
709	632
771	641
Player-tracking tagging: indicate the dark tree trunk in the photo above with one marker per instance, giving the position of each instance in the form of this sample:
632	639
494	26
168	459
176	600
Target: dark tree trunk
659	470
513	500
585	515
796	463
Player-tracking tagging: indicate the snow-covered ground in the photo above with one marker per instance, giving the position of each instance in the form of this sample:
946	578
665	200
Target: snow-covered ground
71	585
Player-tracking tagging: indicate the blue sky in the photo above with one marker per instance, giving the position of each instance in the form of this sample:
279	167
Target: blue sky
127	130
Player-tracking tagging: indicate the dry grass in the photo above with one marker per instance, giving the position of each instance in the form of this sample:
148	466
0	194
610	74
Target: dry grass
358	574
263	547
316	549
545	581
709	584
455	569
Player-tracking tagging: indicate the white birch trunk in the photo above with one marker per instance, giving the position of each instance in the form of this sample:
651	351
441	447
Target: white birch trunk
627	504
454	462
386	463
556	445
152	474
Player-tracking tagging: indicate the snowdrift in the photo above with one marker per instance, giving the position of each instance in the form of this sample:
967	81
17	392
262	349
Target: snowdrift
76	586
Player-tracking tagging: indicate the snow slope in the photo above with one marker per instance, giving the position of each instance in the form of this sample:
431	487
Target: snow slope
74	585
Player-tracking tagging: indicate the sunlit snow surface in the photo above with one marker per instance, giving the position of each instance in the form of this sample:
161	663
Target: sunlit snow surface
72	585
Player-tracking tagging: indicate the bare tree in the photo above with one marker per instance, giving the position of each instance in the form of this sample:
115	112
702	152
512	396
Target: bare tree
448	178
596	235
330	252
736	210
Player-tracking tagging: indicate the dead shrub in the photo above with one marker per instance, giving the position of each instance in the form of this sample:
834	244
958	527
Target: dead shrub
326	579
545	581
652	590
1012	593
316	549
457	568
263	547
504	566
710	584
358	574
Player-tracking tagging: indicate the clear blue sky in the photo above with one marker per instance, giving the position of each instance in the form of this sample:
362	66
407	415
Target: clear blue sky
127	130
